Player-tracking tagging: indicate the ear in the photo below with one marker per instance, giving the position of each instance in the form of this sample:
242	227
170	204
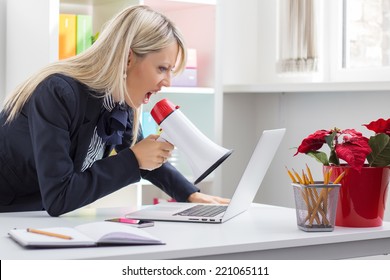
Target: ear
130	58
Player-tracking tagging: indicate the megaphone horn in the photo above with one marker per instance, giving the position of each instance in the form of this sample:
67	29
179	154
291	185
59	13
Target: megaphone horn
202	154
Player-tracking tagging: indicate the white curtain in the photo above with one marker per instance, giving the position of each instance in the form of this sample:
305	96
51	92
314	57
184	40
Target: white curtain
298	36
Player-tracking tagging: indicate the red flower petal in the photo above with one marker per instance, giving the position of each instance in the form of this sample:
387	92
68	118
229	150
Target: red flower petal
379	126
351	132
313	142
354	152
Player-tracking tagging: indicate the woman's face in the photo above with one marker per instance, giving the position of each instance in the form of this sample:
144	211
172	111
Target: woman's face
147	75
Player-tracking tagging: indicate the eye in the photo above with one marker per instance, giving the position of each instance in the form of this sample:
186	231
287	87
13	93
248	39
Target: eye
163	69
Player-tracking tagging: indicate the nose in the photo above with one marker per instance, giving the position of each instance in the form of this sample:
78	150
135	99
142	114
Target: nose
166	82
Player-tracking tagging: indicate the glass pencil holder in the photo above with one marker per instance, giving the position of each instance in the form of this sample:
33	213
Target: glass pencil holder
316	205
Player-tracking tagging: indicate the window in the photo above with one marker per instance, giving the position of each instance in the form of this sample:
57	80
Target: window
353	40
366	38
360	36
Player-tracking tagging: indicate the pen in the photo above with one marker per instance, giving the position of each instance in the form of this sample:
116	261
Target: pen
49	233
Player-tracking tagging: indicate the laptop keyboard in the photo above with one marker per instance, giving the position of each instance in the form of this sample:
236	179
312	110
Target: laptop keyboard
203	211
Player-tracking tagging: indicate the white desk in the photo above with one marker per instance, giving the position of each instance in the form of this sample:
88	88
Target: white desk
262	232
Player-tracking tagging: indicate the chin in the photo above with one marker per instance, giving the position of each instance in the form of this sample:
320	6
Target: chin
133	105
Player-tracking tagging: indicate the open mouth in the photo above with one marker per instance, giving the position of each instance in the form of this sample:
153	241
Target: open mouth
147	97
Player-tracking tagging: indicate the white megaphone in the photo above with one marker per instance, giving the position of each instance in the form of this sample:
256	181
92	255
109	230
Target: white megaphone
202	154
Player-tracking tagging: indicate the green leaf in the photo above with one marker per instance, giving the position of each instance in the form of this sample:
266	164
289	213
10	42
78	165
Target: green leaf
333	158
94	37
380	146
319	156
330	139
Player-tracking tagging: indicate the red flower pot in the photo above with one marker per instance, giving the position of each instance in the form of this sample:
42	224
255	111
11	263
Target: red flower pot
362	196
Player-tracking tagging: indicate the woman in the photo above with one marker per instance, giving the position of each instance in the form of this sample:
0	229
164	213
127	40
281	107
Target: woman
59	127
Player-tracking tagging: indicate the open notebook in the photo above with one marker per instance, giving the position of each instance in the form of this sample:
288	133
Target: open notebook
243	196
85	235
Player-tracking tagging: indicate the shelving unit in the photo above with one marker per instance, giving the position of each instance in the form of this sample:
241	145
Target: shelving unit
196	20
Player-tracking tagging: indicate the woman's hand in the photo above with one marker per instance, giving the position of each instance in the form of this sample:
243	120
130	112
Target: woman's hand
205	198
151	154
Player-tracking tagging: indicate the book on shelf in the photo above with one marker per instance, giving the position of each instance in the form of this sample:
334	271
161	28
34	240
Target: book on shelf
85	235
84	32
188	78
67	36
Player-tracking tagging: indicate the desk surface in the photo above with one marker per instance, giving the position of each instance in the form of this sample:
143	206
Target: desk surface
262	232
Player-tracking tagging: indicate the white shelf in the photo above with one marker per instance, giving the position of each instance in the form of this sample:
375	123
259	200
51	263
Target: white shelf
203	2
188	90
91	2
307	87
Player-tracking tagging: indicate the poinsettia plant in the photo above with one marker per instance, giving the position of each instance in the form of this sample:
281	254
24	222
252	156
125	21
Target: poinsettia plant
351	146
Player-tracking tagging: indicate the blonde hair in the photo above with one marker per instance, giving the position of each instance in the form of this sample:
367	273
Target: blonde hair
102	66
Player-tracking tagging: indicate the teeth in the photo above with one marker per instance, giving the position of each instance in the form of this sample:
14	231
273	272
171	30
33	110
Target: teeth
147	96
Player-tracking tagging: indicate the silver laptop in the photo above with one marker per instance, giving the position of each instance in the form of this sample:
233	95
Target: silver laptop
243	196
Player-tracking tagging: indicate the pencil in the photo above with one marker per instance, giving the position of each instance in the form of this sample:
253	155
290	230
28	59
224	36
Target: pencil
49	233
298	177
291	175
309	174
326	177
338	179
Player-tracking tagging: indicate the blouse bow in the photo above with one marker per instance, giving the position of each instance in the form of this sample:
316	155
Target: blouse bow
112	124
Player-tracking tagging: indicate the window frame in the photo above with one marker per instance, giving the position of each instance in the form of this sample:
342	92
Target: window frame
334	19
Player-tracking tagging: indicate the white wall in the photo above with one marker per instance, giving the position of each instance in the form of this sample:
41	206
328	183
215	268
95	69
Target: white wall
240	36
32	38
249	55
3	9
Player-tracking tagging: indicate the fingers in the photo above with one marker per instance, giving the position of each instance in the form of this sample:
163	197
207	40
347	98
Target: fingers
164	144
152	154
218	200
152	136
166	152
223	200
163	160
156	161
204	198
